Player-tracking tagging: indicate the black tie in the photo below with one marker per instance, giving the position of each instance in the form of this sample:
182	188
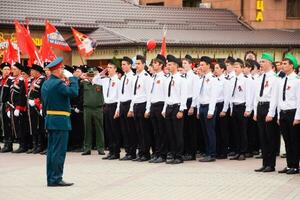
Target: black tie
170	84
262	86
107	94
284	89
123	85
234	86
135	85
153	83
202	85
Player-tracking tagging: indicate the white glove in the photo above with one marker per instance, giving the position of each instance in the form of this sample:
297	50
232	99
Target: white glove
8	114
76	110
31	102
16	113
41	112
67	74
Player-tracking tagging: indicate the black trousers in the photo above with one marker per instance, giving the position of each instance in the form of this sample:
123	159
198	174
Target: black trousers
159	130
128	129
222	134
174	128
291	137
240	128
190	134
6	128
20	127
111	128
208	130
268	135
76	135
143	129
37	128
252	134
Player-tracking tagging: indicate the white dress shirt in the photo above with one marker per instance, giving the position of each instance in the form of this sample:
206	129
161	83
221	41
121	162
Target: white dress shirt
228	87
178	93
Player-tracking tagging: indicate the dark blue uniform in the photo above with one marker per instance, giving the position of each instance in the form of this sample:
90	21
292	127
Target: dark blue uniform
56	104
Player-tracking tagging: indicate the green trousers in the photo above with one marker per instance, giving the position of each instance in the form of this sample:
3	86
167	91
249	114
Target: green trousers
93	116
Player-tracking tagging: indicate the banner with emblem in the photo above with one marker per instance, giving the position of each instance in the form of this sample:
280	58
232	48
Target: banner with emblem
84	43
55	39
10	55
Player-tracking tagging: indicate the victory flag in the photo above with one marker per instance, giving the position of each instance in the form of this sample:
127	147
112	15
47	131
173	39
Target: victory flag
55	39
84	43
46	53
10	54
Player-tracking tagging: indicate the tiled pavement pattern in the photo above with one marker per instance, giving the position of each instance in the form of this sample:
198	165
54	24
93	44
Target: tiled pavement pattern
23	177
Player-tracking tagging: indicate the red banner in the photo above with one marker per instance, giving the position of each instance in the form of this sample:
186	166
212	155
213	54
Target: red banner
55	39
84	43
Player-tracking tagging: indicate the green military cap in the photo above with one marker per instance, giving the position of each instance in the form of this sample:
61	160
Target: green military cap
267	56
293	59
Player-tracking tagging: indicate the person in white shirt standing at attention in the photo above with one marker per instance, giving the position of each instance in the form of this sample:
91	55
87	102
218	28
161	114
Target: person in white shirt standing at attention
208	93
289	113
241	102
265	112
174	106
140	101
157	100
126	118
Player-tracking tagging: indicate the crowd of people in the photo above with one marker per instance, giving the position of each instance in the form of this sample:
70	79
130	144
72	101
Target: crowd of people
169	111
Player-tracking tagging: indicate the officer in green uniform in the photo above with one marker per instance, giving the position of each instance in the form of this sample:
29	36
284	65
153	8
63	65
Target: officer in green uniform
56	94
93	102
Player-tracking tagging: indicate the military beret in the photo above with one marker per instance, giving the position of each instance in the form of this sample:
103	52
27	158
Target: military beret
37	68
267	56
293	59
188	57
141	58
19	66
26	69
160	58
4	64
171	58
205	59
239	61
83	68
127	59
230	59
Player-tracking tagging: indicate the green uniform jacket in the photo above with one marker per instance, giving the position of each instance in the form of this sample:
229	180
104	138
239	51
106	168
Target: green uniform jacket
56	97
92	95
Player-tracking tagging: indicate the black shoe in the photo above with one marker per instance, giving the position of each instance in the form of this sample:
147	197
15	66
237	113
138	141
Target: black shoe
88	152
170	161
284	171
207	159
231	154
30	151
44	152
177	161
269	169
293	171
153	159
101	152
255	153
107	157
114	157
20	150
136	159
143	159
77	150
241	157
60	184
236	157
260	169
159	160
248	155
6	149
259	156
187	158
128	157
38	150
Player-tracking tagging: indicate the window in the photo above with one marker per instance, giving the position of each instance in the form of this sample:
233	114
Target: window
293	9
155	4
191	3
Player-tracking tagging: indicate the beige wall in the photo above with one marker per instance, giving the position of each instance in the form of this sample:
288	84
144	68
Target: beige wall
167	3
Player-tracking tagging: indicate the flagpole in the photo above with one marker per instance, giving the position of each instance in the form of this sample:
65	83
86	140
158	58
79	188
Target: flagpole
81	59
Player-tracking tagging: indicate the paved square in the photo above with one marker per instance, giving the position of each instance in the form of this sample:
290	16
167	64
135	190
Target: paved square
23	177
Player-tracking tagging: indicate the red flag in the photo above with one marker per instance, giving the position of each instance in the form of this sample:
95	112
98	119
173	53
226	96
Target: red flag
46	53
55	39
163	50
25	43
10	54
84	43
